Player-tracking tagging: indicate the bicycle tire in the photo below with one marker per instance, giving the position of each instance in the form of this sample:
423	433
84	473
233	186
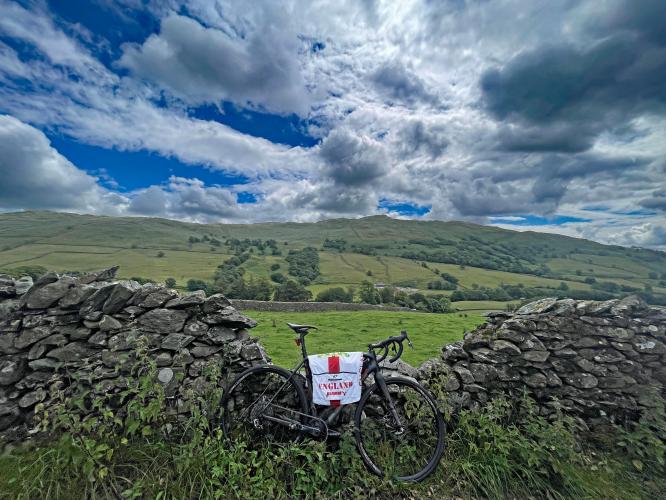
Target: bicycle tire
293	385
364	409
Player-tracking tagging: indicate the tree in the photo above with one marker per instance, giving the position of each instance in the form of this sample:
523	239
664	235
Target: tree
387	295
336	294
170	282
369	293
160	254
563	286
292	291
260	289
278	277
194	285
275	267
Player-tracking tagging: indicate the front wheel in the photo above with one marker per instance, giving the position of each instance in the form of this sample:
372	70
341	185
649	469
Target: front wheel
399	431
265	401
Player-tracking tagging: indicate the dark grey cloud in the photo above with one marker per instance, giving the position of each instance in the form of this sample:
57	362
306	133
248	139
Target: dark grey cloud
353	160
656	202
419	137
584	88
200	64
398	85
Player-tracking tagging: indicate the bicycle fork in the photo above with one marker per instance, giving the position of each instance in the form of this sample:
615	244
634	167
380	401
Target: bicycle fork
382	386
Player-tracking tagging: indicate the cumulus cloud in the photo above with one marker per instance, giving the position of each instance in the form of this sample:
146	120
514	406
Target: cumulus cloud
576	91
401	86
352	160
461	106
207	65
35	176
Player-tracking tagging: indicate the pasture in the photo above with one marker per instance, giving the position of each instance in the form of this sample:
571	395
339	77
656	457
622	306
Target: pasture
354	330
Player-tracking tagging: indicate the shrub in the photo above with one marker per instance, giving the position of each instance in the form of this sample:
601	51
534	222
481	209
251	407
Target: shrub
170	282
275	267
278	277
160	254
292	291
194	285
337	294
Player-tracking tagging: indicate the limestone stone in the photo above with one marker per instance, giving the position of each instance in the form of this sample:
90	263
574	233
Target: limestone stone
158	298
537	307
119	296
164	358
29	337
76	295
536	356
189	300
536	380
72	352
11	369
454	352
465	375
44	364
215	303
103	275
176	341
220	335
581	380
163	320
195	328
505	347
109	323
203	351
32	398
230	317
23	284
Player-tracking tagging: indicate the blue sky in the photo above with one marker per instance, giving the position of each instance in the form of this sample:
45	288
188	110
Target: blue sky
229	111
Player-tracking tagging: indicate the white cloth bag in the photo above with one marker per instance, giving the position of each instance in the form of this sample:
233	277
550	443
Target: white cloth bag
336	377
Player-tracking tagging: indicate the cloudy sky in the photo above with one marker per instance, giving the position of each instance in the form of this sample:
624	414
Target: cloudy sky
546	115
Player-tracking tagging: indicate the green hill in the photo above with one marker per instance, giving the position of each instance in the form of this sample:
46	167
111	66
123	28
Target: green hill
378	249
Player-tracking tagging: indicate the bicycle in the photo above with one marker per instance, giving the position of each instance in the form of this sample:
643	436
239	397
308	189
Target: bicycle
398	429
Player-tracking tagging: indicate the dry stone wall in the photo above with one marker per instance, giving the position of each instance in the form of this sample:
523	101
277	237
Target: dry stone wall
87	328
599	361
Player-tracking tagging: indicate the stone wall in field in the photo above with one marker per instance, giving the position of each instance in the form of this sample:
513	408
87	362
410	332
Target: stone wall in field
88	329
272	306
600	361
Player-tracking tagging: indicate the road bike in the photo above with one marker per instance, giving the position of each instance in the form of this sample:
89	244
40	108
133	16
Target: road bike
398	429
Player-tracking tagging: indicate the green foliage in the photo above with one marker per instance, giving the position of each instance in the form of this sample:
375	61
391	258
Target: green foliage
170	282
141	280
304	263
33	271
336	294
368	293
292	291
194	285
278	277
275	267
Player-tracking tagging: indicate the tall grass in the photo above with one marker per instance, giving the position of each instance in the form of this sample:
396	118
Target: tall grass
505	450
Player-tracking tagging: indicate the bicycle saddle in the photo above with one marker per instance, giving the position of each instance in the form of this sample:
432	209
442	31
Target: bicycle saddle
301	328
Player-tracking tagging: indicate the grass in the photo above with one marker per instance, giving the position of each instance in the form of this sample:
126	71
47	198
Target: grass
64	242
354	330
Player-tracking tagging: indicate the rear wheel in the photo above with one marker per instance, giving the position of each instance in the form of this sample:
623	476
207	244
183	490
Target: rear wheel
407	448
265	401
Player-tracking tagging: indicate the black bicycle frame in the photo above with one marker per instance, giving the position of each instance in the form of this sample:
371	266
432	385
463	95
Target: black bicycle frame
372	367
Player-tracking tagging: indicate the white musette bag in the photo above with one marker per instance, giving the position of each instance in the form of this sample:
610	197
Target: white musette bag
336	378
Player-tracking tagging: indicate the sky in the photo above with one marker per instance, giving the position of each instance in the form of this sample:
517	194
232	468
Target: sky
545	115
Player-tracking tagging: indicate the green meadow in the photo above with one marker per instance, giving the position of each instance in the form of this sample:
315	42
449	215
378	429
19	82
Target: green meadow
354	330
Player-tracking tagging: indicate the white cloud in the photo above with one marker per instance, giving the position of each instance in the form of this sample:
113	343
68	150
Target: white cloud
394	95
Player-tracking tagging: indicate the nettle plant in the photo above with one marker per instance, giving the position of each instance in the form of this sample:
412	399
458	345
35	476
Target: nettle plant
95	425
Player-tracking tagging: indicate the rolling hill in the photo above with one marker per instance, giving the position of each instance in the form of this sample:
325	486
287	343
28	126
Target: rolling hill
379	249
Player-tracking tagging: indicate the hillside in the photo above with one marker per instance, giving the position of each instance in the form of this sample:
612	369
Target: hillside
378	249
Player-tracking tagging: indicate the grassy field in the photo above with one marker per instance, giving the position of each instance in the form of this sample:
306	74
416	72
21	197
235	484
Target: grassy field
67	242
354	330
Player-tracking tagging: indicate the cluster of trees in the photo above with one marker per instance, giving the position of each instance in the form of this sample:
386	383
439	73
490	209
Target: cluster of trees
336	294
204	239
304	264
247	245
446	282
339	244
391	296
